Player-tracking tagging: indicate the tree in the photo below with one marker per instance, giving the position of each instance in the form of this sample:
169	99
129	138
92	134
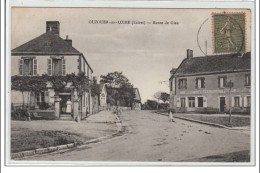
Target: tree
119	88
150	105
164	97
115	80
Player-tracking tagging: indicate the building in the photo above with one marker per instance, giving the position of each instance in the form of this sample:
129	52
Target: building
137	100
114	97
103	96
200	84
49	54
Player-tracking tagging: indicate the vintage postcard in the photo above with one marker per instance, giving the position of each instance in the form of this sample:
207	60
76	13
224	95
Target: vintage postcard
137	85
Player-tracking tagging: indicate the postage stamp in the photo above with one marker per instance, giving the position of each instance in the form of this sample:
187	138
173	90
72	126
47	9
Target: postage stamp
228	32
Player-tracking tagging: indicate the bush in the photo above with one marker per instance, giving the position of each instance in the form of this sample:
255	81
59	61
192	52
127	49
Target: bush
210	110
20	114
44	106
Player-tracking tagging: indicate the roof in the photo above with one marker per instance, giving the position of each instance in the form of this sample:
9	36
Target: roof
214	64
101	85
46	44
137	94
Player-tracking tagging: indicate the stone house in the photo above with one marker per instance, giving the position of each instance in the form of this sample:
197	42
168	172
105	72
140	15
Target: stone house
201	83
52	55
137	100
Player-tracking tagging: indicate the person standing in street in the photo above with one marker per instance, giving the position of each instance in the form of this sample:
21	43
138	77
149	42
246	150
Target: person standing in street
170	116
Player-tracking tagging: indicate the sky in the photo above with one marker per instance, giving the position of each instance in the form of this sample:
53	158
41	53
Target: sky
144	53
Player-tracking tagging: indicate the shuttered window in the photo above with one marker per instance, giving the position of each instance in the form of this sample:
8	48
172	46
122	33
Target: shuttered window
222	81
182	83
247	80
35	66
200	82
21	67
63	67
49	70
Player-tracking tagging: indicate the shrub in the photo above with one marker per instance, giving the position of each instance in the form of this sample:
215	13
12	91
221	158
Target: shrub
210	110
44	106
20	114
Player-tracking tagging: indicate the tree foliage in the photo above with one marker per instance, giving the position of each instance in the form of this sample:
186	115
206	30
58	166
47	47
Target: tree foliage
119	89
164	96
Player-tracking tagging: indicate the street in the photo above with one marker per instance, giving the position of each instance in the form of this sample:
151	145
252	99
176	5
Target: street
151	137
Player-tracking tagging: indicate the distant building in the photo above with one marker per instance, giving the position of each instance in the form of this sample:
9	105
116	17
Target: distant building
103	96
200	83
52	55
136	104
137	100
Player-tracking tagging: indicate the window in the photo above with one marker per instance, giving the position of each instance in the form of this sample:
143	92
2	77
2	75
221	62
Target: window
222	80
57	67
191	102
182	83
237	101
170	85
200	102
40	97
200	82
247	80
28	66
248	98
183	102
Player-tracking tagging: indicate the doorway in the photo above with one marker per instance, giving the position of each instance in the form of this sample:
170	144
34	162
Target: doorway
222	103
64	99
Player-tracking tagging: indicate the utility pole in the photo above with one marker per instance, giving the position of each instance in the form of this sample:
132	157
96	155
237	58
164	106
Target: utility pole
230	86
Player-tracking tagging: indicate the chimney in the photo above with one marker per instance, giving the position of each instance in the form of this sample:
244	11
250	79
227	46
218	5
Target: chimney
68	40
172	71
53	26
189	53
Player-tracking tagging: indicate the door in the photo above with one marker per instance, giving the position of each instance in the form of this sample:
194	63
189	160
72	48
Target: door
200	102
183	102
222	104
64	99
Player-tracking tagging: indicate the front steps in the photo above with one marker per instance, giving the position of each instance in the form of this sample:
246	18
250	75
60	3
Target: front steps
66	117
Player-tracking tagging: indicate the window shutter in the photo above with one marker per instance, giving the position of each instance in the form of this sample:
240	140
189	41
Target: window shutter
185	81
196	102
179	84
63	67
225	81
35	66
205	102
49	70
245	101
196	82
203	83
232	101
240	101
186	102
218	82
20	66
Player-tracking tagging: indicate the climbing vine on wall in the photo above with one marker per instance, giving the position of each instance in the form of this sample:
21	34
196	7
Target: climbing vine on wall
39	83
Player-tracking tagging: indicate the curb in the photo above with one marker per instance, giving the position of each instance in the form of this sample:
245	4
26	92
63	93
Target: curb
119	130
67	146
202	122
42	150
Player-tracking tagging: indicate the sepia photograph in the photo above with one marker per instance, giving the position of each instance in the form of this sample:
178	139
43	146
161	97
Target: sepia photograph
145	85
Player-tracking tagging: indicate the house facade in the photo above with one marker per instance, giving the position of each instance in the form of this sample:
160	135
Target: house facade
103	96
217	82
137	100
51	55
